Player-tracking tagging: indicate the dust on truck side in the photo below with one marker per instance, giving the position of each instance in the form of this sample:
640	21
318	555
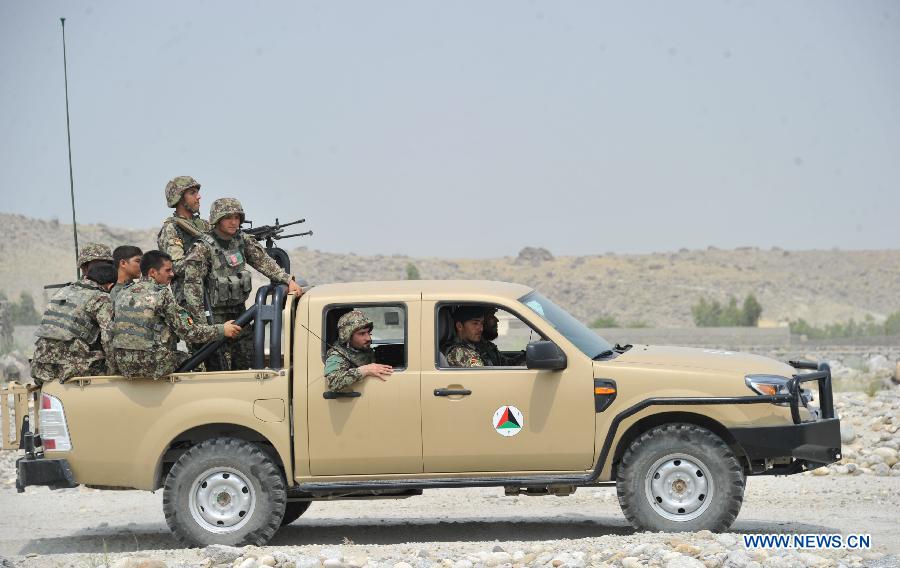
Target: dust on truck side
240	453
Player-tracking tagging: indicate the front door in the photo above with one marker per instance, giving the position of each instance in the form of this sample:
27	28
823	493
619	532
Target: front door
380	431
513	419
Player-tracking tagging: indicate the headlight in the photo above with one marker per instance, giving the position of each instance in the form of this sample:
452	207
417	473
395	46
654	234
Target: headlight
768	385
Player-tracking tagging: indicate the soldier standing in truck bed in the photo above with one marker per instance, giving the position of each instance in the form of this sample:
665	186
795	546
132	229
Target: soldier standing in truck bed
180	230
216	266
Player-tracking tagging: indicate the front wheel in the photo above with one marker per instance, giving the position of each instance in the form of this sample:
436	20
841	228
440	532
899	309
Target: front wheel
224	491
680	477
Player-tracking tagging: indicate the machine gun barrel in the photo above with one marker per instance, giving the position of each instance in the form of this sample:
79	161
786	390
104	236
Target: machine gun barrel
304	234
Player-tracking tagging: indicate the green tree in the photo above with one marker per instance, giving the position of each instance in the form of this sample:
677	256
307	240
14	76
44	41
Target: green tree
751	311
412	273
892	324
23	312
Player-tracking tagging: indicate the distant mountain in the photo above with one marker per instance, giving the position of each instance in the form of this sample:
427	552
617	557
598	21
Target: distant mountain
657	289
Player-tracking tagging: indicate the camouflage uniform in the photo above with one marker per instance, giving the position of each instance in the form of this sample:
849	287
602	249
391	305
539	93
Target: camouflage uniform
177	233
342	362
465	354
117	289
219	267
145	329
73	337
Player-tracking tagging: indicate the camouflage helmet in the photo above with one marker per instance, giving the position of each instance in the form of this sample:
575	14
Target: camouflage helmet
223	207
350	323
176	188
94	251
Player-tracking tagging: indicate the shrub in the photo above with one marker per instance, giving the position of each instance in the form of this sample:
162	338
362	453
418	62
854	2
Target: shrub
710	313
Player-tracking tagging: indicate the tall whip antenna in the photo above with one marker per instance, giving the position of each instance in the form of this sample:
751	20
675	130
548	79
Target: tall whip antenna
69	139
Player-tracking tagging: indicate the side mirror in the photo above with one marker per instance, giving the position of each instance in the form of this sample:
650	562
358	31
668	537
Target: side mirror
545	355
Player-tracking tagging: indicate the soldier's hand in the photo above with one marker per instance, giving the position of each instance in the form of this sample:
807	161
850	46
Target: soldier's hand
376	370
231	330
294	288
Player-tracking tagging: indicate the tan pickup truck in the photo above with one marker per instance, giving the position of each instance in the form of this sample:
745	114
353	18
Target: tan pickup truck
239	454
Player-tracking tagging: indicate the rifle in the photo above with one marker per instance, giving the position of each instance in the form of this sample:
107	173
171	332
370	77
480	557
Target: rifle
271	233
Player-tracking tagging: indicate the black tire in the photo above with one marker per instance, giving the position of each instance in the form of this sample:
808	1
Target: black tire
293	510
224	491
680	477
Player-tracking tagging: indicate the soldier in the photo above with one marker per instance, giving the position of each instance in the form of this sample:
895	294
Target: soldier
353	358
73	338
180	230
148	322
216	269
488	349
469	323
127	259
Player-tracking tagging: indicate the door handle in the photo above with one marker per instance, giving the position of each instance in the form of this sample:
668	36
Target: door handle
331	395
452	392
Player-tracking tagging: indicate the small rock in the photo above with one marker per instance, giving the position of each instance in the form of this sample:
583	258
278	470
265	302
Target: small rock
267	560
138	562
631	562
881	469
848	434
689	549
821	471
306	562
249	563
222	554
684	562
402	565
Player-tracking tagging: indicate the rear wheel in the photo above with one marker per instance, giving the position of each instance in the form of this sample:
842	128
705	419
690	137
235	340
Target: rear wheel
293	510
224	491
680	477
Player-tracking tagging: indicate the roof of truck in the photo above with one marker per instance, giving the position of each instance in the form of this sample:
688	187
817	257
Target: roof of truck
460	288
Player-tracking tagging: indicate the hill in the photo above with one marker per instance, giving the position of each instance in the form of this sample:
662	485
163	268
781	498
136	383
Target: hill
657	289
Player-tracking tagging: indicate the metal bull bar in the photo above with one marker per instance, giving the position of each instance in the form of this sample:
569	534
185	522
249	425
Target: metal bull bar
822	375
262	312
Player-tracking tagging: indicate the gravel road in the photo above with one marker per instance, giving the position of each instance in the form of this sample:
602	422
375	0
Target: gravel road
85	527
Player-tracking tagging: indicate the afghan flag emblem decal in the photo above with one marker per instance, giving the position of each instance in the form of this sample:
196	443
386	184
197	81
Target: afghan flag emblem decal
508	421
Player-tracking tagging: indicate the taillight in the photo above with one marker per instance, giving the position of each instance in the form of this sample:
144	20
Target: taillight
54	432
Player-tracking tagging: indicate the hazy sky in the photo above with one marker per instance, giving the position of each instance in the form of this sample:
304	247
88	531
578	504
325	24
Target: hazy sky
467	128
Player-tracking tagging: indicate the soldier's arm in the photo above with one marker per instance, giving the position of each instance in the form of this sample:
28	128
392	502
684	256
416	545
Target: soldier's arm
340	373
196	266
170	243
258	259
185	327
459	356
100	310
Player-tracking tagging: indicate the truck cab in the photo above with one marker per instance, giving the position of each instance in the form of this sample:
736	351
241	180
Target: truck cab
240	453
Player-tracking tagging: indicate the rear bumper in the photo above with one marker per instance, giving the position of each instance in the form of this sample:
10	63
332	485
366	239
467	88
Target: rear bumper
810	444
54	473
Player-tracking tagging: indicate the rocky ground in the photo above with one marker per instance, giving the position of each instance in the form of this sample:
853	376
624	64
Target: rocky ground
482	527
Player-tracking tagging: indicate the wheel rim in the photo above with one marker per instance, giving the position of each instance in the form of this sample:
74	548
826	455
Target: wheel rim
222	500
679	487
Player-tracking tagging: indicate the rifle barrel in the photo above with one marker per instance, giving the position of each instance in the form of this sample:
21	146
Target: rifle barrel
279	237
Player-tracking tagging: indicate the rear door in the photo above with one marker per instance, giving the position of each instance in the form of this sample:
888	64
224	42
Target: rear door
380	431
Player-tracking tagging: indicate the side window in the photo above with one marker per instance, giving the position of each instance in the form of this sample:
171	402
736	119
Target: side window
389	331
495	336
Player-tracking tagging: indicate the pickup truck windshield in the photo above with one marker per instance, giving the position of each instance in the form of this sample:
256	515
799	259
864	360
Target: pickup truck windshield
584	339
